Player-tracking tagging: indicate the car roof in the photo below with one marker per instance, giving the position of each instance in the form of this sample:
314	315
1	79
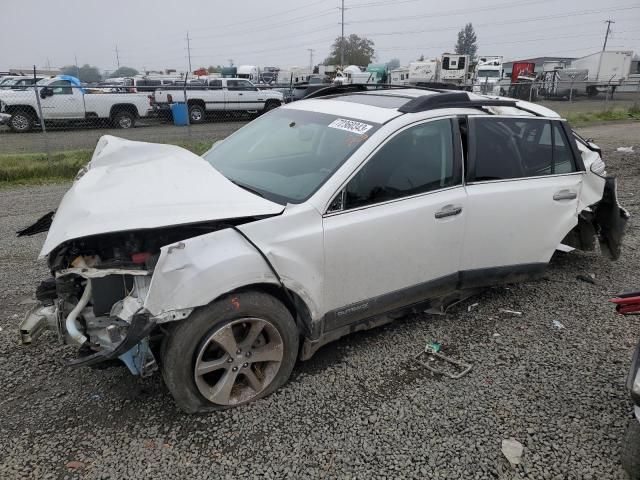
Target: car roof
384	104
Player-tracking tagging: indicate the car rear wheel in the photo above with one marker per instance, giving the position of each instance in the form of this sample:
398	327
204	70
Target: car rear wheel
21	121
196	114
231	352
124	119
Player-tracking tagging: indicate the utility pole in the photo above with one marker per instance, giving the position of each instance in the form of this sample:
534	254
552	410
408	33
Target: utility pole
606	36
75	57
189	50
311	50
230	60
117	57
342	36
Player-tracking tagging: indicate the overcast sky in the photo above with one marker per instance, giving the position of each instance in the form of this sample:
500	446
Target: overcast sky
152	33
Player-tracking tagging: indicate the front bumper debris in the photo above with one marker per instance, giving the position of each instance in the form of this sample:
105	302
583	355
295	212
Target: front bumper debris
141	325
39	319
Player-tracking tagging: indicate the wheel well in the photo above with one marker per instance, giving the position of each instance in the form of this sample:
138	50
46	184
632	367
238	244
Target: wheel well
196	102
23	108
298	309
272	100
126	107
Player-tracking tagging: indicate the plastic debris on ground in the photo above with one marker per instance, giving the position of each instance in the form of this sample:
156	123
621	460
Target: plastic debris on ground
432	347
438	363
510	312
558	325
513	451
625	149
472	306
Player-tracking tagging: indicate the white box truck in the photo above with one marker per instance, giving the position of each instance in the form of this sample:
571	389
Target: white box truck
607	70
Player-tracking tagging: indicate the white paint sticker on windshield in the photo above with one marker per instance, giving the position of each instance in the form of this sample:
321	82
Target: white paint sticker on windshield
351	126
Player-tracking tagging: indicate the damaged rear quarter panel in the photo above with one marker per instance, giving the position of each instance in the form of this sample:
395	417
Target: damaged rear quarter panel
198	270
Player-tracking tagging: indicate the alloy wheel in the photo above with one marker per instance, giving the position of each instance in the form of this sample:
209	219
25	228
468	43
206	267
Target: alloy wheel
238	361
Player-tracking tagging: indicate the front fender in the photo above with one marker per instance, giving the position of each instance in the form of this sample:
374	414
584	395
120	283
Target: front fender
194	272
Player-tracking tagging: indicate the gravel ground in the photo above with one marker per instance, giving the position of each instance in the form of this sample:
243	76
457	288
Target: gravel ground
361	408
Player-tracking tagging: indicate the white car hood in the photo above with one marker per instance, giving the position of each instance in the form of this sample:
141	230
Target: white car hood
135	185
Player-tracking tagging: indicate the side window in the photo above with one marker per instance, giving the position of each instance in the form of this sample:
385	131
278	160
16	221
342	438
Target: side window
61	87
233	85
506	148
245	85
417	160
215	84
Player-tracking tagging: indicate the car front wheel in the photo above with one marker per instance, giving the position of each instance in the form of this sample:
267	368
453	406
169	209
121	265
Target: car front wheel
231	352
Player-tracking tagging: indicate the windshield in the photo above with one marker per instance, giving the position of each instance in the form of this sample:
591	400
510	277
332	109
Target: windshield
288	154
488	73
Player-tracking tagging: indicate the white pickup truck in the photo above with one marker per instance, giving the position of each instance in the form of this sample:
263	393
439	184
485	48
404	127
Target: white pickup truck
63	99
219	95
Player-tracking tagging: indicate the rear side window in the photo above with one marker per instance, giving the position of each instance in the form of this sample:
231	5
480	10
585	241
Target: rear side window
417	160
506	148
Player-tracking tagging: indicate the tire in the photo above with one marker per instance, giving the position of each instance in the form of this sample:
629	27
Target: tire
123	119
270	105
631	450
196	345
21	121
196	114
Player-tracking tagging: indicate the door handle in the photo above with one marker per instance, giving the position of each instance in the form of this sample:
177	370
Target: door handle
448	211
564	195
239	94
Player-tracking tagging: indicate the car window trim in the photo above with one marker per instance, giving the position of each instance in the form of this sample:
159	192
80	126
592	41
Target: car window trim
472	147
457	164
387	202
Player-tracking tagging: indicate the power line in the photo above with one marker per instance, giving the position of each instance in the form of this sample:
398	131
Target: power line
262	17
508	22
450	13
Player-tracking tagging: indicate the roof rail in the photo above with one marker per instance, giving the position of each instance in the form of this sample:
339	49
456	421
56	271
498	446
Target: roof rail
451	100
336	90
368	87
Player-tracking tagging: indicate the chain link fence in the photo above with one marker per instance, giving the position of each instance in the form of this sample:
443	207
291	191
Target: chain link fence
63	116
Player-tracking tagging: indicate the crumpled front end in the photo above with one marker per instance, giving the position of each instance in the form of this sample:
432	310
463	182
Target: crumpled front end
98	309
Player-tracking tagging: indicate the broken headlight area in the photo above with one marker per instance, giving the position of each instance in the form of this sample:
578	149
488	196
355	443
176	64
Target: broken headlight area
98	309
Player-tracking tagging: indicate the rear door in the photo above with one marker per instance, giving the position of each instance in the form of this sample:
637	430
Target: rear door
523	183
393	235
238	98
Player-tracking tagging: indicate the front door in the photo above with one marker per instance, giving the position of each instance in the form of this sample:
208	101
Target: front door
66	101
394	234
523	184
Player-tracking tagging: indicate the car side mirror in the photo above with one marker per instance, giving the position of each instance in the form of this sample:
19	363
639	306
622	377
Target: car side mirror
46	92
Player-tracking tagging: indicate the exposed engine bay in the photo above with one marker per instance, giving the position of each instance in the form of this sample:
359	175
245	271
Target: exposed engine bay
96	294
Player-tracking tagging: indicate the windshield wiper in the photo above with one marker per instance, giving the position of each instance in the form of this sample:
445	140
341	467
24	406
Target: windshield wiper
248	189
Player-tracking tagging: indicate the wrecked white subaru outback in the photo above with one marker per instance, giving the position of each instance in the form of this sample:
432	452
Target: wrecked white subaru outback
320	218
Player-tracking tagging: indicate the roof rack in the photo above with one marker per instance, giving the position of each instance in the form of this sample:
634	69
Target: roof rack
451	100
365	87
444	99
